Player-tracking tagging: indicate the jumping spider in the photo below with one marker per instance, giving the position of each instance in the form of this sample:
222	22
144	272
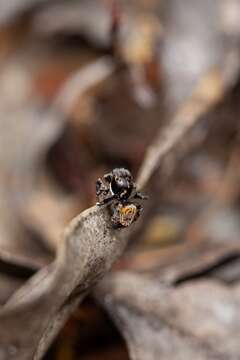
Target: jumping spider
119	191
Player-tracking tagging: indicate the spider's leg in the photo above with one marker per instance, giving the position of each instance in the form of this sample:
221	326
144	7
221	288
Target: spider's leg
100	187
115	219
139	195
138	213
106	200
102	192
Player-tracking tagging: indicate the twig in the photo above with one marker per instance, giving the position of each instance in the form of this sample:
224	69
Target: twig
39	309
82	81
208	92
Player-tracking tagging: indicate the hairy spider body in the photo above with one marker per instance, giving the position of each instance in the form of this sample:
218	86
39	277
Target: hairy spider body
118	190
125	215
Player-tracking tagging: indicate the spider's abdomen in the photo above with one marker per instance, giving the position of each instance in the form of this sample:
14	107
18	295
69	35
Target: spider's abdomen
124	215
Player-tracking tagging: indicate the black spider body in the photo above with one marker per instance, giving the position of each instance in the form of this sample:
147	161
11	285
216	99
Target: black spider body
118	189
121	184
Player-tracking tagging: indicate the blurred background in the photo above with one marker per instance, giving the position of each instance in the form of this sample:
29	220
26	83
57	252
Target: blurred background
85	85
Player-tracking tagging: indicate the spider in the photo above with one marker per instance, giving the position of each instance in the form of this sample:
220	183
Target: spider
118	190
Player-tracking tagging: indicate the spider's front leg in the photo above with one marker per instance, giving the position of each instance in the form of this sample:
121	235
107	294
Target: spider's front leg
100	187
138	213
137	194
140	196
102	191
106	201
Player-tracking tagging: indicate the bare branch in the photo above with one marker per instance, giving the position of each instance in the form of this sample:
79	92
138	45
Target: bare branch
209	91
44	303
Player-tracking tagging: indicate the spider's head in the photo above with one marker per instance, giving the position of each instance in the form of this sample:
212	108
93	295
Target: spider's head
122	183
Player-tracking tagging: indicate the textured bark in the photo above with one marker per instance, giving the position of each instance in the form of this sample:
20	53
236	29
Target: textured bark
39	309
